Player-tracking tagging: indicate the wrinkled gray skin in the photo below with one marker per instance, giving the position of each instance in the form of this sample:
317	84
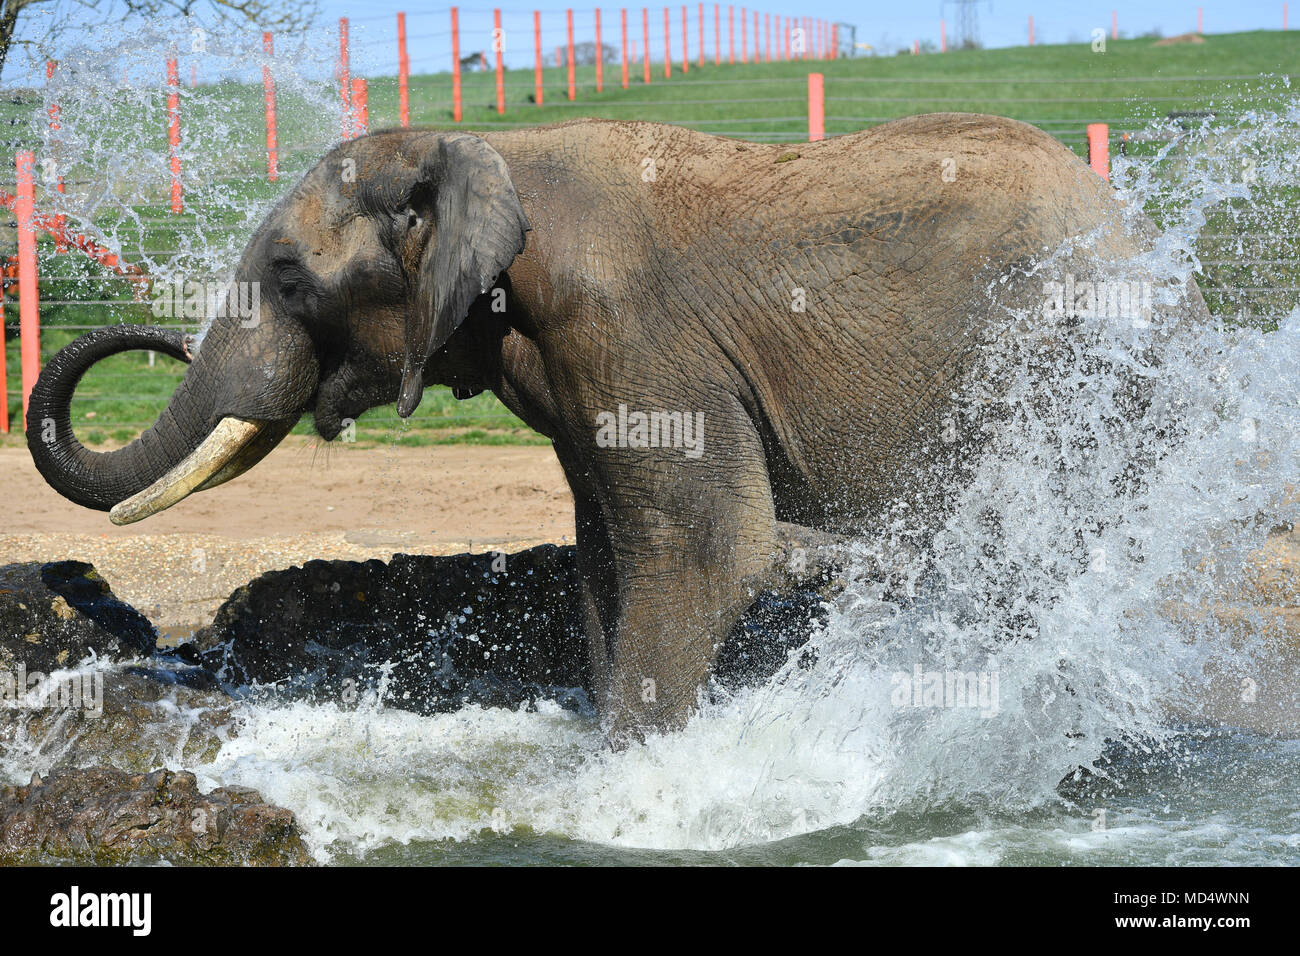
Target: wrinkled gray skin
657	268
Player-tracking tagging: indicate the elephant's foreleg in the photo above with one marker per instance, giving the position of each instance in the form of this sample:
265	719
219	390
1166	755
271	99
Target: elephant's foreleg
692	541
598	600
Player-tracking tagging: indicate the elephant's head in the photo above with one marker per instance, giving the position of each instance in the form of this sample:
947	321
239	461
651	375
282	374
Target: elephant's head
360	276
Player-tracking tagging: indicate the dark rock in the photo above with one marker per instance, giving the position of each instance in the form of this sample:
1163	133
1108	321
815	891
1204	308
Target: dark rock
102	815
435	633
427	633
54	615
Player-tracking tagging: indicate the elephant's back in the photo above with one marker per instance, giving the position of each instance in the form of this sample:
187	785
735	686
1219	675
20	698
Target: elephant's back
871	266
842	283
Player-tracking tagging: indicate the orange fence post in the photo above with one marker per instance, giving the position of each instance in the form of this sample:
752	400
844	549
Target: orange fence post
943	37
28	294
744	35
645	41
686	42
668	47
1200	19
600	57
1099	149
4	386
50	67
1031	29
360	106
455	65
403	74
498	47
717	35
174	130
537	57
623	21
573	83
816	108
345	79
757	56
700	47
1114	22
731	34
55	126
268	89
699	53
787	37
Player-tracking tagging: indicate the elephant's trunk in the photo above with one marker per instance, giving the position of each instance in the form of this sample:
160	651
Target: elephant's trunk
180	453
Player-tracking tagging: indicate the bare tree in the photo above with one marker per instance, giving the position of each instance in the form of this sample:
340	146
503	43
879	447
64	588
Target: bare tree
9	13
280	15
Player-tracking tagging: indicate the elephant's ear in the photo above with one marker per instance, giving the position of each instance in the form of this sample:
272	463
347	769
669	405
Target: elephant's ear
479	228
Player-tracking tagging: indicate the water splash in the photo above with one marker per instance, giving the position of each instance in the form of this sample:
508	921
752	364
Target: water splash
111	145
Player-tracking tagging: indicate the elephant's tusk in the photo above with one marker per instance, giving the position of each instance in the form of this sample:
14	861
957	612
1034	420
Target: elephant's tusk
220	447
248	456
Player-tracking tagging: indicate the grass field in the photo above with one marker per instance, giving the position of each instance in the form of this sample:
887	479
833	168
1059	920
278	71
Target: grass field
1059	88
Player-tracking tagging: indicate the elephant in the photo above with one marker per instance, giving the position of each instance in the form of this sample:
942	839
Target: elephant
717	337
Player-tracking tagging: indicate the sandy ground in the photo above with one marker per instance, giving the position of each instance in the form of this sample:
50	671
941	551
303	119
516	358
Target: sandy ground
302	502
